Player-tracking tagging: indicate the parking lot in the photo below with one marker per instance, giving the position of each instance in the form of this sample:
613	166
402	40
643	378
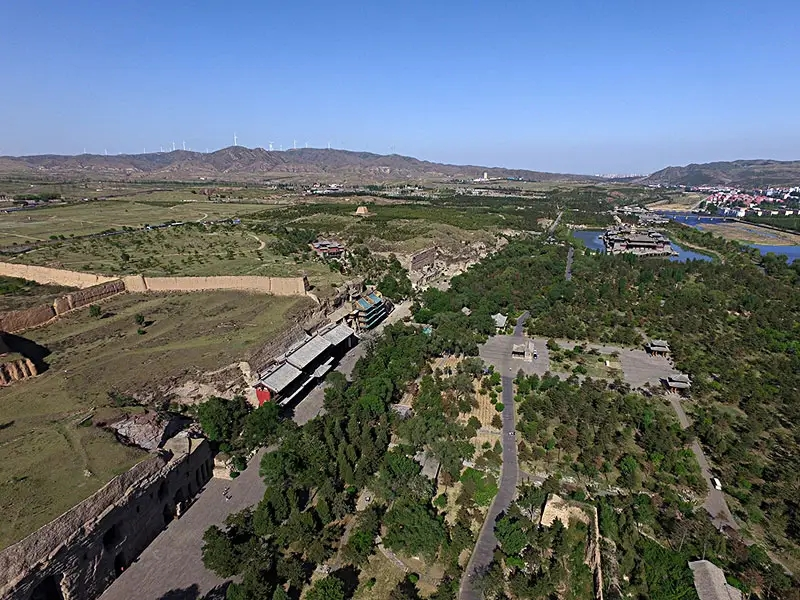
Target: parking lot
638	366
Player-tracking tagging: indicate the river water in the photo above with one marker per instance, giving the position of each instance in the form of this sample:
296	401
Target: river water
591	237
792	253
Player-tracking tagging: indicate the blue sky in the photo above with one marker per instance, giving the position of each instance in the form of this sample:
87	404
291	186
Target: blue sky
591	86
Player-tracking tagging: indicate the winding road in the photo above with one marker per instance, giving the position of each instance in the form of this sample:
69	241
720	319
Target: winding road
484	547
715	503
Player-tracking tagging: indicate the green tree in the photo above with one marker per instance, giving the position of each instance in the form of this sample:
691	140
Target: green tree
220	555
139	318
94	311
328	588
222	419
261	426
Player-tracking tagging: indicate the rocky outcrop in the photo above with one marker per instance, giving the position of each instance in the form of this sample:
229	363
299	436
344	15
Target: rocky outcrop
16	370
147	430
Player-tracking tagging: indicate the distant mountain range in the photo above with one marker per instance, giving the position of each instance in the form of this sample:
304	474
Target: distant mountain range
738	173
237	163
241	164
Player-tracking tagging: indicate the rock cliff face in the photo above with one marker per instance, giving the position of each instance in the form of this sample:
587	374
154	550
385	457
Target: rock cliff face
147	430
79	554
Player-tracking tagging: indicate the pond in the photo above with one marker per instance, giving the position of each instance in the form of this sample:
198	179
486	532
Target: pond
698	221
591	237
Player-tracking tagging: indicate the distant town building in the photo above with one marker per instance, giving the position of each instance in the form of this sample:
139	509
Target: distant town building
362	211
466	311
710	582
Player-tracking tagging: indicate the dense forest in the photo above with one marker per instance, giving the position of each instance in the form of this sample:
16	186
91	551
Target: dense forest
358	451
733	325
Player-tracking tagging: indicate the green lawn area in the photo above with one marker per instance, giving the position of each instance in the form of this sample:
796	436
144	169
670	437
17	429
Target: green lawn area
192	250
85	218
48	462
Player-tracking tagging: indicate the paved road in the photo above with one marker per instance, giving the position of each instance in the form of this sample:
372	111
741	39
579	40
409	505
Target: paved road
484	547
173	562
568	272
555	223
715	503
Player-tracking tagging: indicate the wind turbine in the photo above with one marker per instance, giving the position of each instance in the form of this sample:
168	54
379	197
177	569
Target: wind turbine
234	139
270	146
184	146
281	147
173	146
295	144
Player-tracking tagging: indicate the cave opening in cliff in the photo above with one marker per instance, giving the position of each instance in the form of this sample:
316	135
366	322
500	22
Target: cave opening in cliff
120	564
48	589
168	515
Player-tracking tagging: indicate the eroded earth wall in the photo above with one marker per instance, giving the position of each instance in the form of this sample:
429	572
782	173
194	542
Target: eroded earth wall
19	320
278	286
52	276
78	555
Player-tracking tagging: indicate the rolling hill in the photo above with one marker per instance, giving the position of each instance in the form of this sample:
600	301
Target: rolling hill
238	163
738	173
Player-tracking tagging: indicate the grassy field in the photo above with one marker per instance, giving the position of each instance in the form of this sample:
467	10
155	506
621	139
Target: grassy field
48	462
186	250
84	218
749	232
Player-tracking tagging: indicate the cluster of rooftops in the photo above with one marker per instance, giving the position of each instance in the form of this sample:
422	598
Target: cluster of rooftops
307	361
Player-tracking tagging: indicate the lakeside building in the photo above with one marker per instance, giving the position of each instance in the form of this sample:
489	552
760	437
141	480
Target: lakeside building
629	240
304	365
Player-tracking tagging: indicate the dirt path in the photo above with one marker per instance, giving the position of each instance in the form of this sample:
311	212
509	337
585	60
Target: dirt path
262	243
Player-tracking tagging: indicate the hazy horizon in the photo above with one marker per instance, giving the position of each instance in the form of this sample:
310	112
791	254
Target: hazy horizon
568	87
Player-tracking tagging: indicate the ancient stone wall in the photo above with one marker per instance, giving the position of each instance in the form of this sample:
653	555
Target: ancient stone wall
278	286
52	276
79	554
19	320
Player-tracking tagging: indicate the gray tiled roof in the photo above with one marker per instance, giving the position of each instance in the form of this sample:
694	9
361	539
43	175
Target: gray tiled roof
710	583
338	334
308	352
281	377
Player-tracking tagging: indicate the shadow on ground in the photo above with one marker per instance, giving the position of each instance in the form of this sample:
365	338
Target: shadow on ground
193	593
